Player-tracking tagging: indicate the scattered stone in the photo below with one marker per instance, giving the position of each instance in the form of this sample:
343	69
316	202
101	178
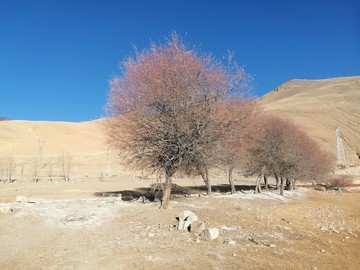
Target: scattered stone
197	227
287	221
151	234
229	241
35	200
272	246
248	191
210	234
226	228
345	238
234	254
6	209
20	199
185	219
143	199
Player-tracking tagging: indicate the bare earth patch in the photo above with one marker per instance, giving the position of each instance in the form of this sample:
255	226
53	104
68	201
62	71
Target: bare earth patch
305	229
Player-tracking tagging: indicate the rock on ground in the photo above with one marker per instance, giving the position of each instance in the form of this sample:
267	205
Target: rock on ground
210	234
185	219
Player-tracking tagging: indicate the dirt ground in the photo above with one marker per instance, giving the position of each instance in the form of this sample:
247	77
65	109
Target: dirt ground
65	226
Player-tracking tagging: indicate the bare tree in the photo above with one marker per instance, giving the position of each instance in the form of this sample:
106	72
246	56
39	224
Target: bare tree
22	168
41	143
10	168
66	166
50	171
36	169
108	163
162	109
285	151
240	116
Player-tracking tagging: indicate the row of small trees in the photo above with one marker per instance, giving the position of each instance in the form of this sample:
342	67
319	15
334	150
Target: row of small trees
174	110
284	151
12	169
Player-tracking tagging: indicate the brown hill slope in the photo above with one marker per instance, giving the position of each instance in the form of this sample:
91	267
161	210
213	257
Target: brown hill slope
41	149
319	106
23	137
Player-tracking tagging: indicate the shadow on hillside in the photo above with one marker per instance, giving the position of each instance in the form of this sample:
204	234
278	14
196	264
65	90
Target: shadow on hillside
154	192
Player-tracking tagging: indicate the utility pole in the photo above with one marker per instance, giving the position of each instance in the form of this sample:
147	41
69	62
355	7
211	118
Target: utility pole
341	157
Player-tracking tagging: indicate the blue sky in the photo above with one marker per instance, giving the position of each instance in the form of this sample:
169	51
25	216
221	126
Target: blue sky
57	57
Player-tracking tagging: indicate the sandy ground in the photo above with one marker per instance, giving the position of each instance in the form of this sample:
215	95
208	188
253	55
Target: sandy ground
65	226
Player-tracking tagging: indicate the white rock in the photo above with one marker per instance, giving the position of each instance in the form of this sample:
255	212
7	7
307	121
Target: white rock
6	209
229	241
197	227
210	234
35	200
185	219
143	199
20	199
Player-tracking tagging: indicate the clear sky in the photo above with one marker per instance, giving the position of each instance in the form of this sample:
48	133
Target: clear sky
57	56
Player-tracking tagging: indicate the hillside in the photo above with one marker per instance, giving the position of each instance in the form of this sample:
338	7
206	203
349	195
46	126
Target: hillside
41	149
23	137
319	106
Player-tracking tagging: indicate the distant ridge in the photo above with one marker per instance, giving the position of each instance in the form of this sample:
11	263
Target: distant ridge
319	106
5	119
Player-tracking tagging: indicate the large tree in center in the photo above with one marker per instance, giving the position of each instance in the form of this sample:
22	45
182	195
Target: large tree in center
162	108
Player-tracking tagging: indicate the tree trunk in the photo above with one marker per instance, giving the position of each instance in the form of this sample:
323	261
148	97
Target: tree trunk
281	186
277	181
288	184
266	182
231	181
293	184
167	190
257	185
208	184
205	176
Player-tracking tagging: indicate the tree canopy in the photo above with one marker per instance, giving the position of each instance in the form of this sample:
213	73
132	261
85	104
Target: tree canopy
164	108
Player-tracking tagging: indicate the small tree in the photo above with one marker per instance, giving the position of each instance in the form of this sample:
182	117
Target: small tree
66	166
283	150
240	118
10	168
162	109
36	169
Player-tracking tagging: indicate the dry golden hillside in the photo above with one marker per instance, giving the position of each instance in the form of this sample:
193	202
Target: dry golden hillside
52	150
319	106
24	137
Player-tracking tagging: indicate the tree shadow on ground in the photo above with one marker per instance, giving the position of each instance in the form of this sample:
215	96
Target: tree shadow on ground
154	192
